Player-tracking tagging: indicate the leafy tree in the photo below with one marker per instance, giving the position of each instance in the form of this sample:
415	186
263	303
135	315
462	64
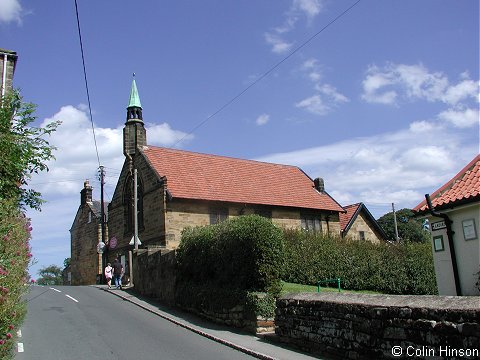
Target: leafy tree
66	262
409	227
50	275
23	148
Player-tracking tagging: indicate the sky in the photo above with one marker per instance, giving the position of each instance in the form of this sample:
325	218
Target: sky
380	98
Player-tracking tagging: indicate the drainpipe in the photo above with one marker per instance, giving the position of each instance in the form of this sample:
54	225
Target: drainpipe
450	232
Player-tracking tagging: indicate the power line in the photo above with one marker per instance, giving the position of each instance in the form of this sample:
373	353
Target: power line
266	73
86	82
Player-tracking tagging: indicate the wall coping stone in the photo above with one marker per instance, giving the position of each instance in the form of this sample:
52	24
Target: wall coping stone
379	300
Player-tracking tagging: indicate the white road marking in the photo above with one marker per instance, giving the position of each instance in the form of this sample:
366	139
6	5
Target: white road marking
71	298
20	347
55	290
19	333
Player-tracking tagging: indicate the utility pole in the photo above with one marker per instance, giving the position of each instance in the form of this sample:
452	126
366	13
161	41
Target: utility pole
102	213
395	222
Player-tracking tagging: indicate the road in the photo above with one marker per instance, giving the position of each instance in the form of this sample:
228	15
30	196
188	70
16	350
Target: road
66	322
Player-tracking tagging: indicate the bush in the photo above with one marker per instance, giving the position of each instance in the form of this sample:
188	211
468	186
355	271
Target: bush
14	258
244	253
220	265
405	268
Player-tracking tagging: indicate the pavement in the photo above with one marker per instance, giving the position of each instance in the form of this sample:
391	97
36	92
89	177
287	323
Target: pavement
265	346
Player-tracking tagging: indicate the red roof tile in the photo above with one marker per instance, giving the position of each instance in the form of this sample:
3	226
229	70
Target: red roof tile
345	218
462	187
198	176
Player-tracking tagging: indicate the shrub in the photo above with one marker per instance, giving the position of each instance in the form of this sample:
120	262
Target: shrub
220	265
405	268
14	258
244	253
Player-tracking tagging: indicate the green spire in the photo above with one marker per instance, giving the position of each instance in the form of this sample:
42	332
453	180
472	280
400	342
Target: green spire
134	98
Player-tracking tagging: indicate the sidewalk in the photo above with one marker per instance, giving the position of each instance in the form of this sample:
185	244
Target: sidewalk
260	348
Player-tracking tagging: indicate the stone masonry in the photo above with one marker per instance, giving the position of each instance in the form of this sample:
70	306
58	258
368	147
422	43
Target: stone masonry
361	326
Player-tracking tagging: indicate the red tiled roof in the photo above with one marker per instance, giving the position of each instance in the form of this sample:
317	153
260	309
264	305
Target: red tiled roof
463	187
198	176
345	218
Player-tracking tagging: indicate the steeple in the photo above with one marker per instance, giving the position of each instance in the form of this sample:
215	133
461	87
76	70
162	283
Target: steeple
134	134
134	109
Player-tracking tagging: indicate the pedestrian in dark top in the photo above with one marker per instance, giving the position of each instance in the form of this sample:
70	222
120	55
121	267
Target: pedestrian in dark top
118	273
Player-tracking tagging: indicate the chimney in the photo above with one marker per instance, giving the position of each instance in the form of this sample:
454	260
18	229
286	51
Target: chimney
86	193
319	185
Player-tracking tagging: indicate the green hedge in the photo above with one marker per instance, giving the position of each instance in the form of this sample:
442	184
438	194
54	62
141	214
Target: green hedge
220	265
405	268
244	253
14	258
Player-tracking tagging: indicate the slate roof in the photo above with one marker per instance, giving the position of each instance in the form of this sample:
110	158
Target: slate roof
461	189
192	175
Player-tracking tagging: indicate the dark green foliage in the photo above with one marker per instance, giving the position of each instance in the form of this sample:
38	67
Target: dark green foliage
405	268
245	253
50	275
24	150
220	265
409	228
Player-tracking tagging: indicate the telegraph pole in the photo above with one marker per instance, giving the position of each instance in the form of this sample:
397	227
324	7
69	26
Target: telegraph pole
395	222
102	213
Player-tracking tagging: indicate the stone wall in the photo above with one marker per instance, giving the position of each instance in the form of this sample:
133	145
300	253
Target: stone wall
363	224
154	274
85	234
360	326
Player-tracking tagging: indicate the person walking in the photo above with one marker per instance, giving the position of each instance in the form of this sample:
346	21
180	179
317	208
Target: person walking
118	272
109	275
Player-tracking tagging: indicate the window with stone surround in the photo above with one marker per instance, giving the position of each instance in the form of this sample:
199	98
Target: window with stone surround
217	215
311	222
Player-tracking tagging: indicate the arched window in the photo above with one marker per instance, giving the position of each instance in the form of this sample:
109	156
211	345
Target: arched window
128	205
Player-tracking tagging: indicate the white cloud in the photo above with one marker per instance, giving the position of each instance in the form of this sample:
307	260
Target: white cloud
314	104
164	135
392	167
262	119
299	8
324	102
460	118
393	82
279	46
10	10
310	8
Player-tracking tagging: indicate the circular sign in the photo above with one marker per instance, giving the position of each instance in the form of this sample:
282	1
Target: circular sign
113	242
100	247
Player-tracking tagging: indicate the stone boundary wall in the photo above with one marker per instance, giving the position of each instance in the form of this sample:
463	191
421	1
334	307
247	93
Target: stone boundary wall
361	326
154	274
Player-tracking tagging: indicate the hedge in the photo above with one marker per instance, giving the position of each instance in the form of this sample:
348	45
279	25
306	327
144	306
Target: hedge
219	265
405	268
14	258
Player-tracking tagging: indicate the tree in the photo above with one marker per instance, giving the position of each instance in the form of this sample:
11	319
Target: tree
66	262
409	227
50	275
24	150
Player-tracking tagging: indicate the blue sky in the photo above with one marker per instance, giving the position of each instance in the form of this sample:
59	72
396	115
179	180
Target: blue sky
383	104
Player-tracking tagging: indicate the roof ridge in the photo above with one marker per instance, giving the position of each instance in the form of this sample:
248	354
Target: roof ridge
220	156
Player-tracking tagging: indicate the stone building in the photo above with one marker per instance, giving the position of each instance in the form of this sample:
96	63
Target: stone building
85	235
359	224
177	188
8	62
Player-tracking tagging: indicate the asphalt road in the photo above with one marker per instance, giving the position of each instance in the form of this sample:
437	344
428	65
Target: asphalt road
65	322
